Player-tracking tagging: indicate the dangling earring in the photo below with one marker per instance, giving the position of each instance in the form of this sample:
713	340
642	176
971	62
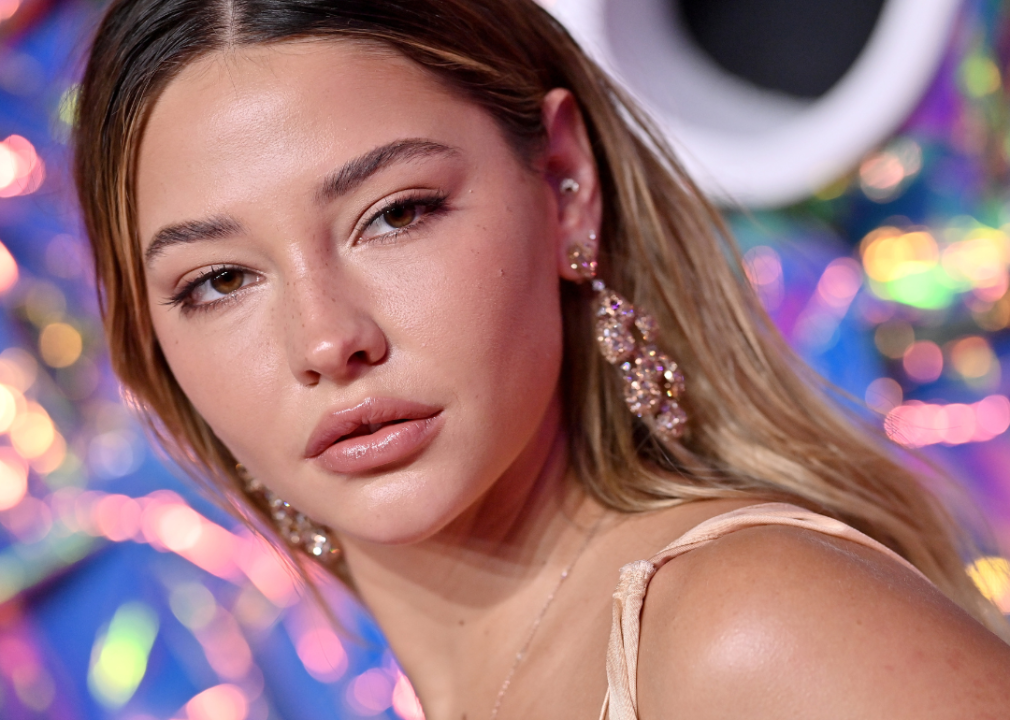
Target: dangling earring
294	527
653	383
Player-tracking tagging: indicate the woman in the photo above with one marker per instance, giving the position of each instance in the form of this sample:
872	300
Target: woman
414	281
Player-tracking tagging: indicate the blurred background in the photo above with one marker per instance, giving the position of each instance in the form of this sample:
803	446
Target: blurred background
862	151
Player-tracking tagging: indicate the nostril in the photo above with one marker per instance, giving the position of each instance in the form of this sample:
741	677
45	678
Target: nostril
334	348
360	357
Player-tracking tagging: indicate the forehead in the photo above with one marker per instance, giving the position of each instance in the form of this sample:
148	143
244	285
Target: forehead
264	114
247	83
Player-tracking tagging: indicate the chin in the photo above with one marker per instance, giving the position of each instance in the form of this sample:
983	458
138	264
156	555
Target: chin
406	510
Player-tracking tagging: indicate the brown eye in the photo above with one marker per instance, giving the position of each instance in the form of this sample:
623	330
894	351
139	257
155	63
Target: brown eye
400	216
226	281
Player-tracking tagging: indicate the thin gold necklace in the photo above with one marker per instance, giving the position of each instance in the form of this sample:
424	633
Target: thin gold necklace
521	655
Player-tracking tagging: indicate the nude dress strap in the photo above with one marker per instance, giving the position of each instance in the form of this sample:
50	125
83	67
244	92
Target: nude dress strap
621	702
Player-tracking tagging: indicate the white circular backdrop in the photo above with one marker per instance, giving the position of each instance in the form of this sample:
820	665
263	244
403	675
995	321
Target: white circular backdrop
749	146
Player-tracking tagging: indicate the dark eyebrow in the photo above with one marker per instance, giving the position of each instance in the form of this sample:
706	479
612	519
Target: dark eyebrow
340	182
353	173
191	231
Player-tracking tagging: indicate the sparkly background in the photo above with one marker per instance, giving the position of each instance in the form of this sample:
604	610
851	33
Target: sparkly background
124	595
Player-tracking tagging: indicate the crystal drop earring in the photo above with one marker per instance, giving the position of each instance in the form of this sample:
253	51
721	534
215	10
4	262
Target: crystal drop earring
653	383
295	528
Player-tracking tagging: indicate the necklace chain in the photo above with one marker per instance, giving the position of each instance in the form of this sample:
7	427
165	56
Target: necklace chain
521	655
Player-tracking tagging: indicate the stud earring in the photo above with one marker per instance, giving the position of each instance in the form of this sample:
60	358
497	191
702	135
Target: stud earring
294	527
582	258
653	383
569	185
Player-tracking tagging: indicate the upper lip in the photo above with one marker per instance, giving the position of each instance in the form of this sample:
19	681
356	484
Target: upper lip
371	411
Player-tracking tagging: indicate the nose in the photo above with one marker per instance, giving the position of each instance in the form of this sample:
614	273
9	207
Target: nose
331	334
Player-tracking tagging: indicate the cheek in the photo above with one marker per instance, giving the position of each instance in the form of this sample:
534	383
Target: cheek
226	370
488	319
515	337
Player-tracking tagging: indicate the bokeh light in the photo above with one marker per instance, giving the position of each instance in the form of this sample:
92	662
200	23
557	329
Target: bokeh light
10	401
840	283
221	702
8	8
179	528
21	169
890	254
974	361
13	478
29	521
883	175
60	345
405	701
33	432
972	357
893	338
44	303
193	604
18	369
992	576
117	517
980	76
980	261
8	270
764	271
918	424
904	266
923	361
370	693
21	664
119	658
816	328
52	458
883	395
225	647
322	653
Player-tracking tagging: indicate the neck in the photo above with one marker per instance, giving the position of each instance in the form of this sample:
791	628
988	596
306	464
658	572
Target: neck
486	574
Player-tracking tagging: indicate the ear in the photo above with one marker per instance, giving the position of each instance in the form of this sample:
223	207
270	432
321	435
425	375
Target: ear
569	157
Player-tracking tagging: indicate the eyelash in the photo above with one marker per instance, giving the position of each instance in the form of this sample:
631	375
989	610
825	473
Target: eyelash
182	298
433	204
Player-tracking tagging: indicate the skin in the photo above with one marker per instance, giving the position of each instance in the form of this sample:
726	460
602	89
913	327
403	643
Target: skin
456	549
826	629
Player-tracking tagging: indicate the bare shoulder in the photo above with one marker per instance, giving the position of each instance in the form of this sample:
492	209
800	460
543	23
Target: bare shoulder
780	622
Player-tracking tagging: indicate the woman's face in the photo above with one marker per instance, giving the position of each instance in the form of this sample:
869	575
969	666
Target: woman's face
354	280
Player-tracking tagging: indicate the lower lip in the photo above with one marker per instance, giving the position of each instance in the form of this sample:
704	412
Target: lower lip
387	446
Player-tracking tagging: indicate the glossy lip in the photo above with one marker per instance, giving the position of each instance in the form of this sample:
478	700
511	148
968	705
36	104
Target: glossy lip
415	425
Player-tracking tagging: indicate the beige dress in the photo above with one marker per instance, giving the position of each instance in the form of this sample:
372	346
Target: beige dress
621	702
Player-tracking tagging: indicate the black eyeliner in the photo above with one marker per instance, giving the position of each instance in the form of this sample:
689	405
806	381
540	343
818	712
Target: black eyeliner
434	203
186	291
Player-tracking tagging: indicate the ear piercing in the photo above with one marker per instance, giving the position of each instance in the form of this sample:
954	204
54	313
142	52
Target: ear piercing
653	382
569	185
294	527
582	258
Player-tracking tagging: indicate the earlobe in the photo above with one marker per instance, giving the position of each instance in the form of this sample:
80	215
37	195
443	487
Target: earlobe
581	257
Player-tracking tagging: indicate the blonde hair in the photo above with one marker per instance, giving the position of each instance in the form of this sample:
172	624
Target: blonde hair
762	424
